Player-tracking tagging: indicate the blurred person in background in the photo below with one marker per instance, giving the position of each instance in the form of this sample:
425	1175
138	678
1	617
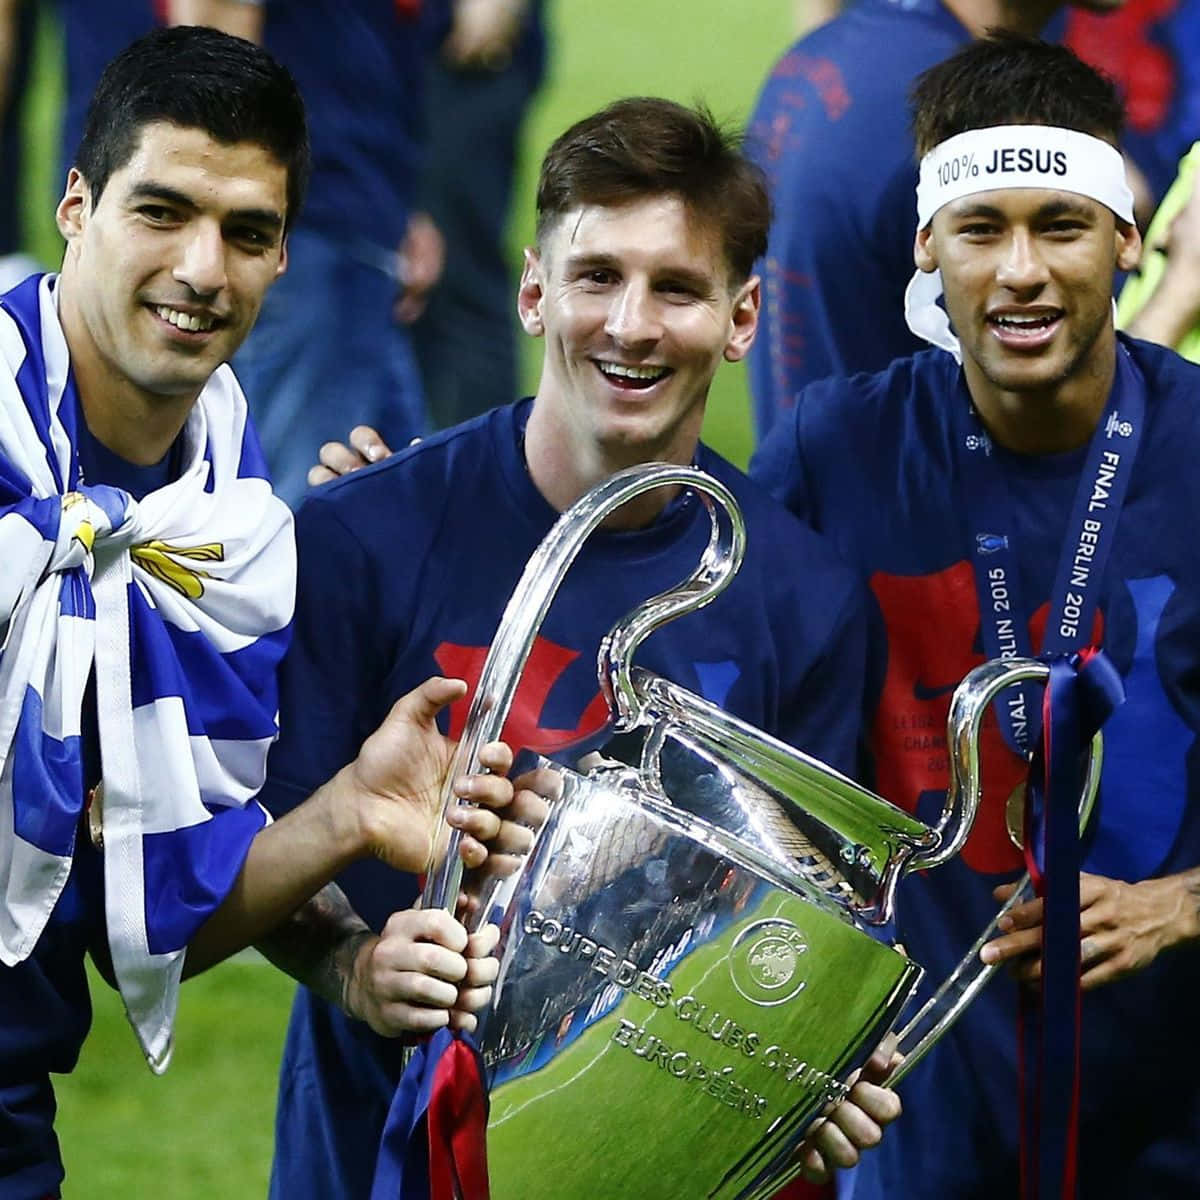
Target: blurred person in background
332	344
94	32
1151	49
1161	298
479	90
17	20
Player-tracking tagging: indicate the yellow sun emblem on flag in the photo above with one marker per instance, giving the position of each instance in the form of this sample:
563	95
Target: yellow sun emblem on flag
161	559
84	533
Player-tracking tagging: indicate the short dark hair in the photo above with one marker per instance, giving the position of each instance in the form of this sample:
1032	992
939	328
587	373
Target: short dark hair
645	146
197	78
1008	78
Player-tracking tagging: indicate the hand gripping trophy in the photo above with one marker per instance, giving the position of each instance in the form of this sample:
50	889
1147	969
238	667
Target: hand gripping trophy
696	1041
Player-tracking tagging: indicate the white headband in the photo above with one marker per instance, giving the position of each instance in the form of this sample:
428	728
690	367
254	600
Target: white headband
1022	156
1001	157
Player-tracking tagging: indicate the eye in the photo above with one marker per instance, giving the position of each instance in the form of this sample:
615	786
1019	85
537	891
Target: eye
594	279
979	229
677	288
1066	227
156	214
252	237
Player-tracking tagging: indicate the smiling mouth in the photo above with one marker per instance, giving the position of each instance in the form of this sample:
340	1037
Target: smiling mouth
632	378
1016	328
185	322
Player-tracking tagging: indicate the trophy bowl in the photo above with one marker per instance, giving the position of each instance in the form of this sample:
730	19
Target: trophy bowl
694	956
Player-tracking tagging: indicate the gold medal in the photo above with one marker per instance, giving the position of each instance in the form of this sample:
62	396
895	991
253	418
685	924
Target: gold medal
1014	816
95	815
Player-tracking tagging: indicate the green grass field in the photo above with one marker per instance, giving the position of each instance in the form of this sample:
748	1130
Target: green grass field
204	1130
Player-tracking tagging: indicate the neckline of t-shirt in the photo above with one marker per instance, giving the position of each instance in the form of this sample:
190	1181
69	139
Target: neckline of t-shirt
629	545
1061	465
112	469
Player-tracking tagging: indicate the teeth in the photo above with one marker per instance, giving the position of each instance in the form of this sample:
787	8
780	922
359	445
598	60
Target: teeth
185	321
632	372
1017	322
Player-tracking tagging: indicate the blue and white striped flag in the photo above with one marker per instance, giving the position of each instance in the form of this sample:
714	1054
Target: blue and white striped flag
184	602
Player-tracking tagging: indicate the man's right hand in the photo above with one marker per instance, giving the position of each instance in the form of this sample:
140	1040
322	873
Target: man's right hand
337	458
387	802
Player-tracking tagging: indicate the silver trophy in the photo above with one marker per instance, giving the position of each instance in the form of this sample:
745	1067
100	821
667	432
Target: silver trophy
692	956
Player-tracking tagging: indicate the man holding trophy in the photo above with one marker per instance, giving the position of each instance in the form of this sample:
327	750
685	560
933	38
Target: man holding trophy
649	221
1037	496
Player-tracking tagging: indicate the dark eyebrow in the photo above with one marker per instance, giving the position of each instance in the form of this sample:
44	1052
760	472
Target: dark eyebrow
268	218
1063	208
693	279
990	211
1047	212
683	274
588	262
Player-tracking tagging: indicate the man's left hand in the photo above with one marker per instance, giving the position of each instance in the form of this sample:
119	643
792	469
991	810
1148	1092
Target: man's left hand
857	1123
422	258
1123	927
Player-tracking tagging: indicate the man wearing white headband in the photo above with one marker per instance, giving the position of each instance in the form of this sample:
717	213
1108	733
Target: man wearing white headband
1028	485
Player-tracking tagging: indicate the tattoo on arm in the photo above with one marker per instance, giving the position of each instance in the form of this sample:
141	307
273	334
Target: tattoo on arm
317	946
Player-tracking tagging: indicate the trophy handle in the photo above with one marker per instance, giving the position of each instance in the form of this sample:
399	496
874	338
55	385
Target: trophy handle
530	601
972	699
966	981
721	559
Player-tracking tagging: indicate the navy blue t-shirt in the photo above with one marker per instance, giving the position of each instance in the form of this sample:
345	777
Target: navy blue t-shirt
404	570
831	130
871	462
45	1009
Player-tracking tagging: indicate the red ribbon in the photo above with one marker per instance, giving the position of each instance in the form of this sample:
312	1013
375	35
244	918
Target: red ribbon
457	1124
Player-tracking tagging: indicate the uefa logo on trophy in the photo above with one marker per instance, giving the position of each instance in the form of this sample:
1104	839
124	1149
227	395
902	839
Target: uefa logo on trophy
765	962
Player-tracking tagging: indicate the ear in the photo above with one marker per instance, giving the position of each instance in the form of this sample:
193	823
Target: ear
1129	246
71	215
531	293
925	250
743	320
283	258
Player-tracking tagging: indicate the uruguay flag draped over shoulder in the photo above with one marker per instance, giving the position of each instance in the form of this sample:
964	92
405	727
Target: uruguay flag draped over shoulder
434	1144
183	601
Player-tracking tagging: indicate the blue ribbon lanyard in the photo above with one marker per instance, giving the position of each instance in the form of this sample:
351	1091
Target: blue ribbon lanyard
1082	690
1091	528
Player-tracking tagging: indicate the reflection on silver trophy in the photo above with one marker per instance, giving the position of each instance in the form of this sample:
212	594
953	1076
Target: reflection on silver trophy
692	961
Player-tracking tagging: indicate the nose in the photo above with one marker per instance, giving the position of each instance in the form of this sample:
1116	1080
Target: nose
1022	267
201	265
632	316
